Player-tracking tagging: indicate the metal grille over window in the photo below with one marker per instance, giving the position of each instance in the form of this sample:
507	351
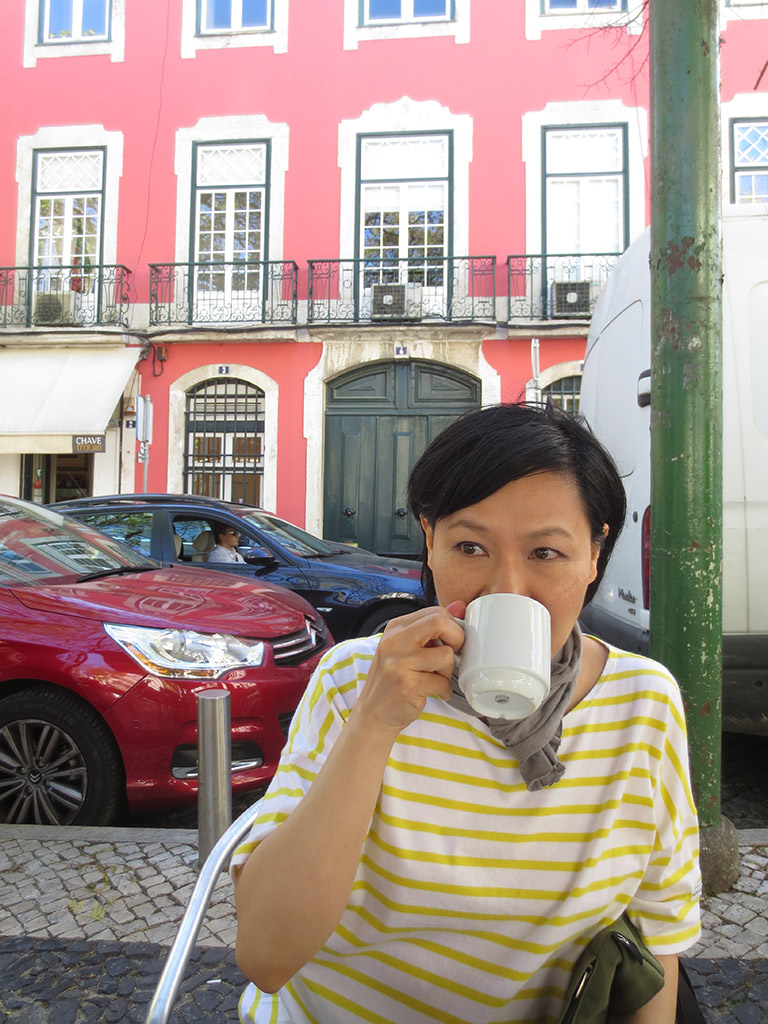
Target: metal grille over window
750	172
564	393
224	453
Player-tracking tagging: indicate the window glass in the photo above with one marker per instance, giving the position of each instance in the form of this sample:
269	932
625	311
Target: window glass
750	157
74	20
131	528
585	5
405	10
585	187
234	15
290	537
45	546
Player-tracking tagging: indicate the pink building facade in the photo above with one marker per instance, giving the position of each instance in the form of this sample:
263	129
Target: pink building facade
313	233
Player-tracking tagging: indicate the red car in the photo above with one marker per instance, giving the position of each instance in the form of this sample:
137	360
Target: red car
102	655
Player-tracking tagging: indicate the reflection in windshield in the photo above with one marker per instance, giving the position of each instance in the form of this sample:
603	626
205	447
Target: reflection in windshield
295	541
37	546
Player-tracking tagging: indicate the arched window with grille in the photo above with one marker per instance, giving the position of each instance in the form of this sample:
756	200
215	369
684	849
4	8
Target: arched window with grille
224	445
564	392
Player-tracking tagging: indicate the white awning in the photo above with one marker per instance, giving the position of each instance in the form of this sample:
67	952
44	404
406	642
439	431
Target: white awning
49	395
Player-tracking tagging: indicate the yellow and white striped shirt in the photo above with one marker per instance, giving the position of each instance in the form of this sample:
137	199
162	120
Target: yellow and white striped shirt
474	897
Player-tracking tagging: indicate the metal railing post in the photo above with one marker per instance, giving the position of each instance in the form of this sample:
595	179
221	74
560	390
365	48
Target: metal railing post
214	800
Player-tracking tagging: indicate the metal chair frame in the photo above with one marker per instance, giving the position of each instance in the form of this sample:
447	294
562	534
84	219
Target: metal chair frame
167	989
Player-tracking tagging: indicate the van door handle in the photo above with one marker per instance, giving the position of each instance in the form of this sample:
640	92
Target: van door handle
644	389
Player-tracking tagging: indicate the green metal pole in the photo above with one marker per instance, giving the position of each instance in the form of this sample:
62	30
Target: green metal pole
686	382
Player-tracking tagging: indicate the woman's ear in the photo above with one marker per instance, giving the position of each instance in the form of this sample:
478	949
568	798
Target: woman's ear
429	536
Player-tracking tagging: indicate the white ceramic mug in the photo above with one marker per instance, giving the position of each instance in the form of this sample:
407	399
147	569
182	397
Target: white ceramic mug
504	665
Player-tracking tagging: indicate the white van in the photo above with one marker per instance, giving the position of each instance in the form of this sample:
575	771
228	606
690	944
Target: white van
615	400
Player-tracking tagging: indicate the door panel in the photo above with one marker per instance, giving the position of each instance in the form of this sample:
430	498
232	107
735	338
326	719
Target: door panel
379	419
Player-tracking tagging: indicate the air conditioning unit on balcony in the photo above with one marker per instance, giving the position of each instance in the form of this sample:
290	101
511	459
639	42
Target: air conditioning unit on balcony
396	302
571	298
54	308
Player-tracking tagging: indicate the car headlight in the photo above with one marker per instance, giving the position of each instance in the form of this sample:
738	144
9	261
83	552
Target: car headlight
185	654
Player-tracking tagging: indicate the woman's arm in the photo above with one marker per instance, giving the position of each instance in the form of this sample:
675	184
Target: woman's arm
661	1009
294	887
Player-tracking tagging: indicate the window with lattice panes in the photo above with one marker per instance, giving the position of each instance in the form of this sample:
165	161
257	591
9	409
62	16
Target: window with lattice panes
74	21
750	161
404	207
234	15
230	241
67	221
375	12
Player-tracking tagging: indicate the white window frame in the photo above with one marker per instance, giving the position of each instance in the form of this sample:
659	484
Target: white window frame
421	28
274	38
237	19
538	21
113	45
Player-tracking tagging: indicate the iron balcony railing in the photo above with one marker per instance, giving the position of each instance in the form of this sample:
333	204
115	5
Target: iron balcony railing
556	287
232	292
456	288
77	295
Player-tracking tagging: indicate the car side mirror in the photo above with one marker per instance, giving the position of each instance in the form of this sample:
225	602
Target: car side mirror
260	560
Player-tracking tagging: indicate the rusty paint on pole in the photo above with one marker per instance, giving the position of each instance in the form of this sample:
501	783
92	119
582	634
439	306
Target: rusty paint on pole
686	389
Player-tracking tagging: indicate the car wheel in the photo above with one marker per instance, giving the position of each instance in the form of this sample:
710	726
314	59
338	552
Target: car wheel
378	619
58	762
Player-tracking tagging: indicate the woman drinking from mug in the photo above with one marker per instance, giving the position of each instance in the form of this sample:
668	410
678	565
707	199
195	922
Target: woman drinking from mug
412	861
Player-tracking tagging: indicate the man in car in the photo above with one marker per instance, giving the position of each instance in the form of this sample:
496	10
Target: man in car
225	550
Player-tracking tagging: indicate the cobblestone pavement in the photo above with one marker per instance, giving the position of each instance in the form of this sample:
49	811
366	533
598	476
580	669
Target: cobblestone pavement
87	915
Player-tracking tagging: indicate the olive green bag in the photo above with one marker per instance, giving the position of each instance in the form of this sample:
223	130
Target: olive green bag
614	974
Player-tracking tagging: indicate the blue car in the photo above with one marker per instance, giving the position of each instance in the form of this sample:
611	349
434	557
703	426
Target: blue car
356	591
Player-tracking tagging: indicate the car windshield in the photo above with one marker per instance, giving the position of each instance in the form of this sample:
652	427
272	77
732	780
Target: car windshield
38	546
291	538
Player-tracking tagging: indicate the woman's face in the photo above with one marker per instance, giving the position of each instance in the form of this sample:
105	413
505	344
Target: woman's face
531	537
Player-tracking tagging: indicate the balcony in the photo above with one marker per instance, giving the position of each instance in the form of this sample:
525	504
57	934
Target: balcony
548	287
455	289
67	296
210	294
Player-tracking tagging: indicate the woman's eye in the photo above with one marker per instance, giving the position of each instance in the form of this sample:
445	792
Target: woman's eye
469	548
545	554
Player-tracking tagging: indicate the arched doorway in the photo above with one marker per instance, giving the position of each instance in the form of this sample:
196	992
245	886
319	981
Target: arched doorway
379	418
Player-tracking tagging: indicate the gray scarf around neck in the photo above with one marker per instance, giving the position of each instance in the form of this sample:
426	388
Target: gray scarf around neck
534	740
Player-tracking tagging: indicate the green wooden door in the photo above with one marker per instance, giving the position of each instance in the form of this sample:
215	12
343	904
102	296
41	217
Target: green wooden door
379	419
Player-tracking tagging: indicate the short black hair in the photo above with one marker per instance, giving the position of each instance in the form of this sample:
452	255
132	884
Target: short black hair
485	449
